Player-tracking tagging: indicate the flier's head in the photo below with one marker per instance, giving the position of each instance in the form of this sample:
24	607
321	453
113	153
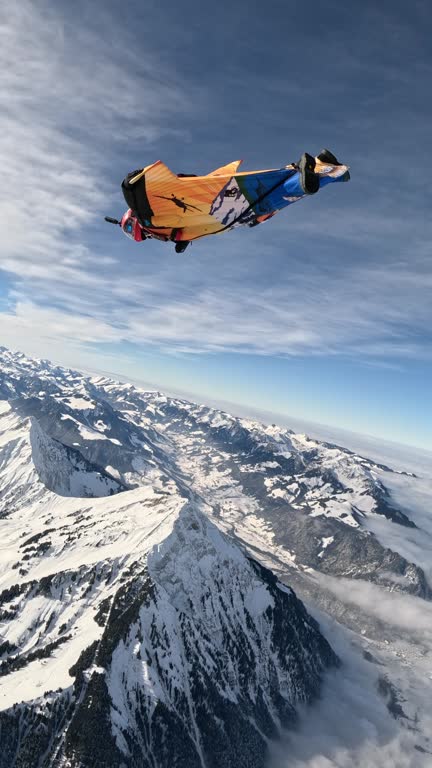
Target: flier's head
130	226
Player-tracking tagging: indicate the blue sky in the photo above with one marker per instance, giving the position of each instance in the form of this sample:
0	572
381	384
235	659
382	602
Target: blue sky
324	313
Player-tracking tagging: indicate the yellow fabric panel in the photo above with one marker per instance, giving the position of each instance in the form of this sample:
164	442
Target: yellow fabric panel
191	232
227	170
184	201
143	172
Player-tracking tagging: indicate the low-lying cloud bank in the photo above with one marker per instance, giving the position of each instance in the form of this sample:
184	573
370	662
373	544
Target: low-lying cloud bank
351	726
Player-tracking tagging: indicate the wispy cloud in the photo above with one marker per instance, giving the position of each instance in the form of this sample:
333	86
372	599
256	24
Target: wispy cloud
358	311
50	325
405	612
77	98
69	93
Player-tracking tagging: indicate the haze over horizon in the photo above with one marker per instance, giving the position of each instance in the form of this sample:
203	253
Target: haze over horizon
324	314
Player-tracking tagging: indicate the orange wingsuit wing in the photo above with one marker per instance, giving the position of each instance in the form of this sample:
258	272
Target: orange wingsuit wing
189	207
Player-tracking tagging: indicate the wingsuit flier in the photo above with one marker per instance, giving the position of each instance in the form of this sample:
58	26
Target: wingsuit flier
184	207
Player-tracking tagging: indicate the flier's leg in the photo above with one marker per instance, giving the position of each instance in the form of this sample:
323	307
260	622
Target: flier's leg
304	181
309	180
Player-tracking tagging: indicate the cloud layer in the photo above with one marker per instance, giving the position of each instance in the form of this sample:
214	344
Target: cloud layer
351	727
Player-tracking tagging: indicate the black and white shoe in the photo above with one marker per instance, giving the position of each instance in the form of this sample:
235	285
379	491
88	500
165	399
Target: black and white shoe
181	246
328	157
309	179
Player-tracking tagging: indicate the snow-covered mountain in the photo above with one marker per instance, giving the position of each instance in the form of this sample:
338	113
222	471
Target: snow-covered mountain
140	624
268	486
133	631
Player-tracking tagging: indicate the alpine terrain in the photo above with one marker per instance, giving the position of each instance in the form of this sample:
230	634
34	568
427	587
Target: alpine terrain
149	551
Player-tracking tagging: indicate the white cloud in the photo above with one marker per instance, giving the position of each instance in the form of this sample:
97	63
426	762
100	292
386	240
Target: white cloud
351	314
354	312
68	96
73	96
413	495
405	612
50	325
350	726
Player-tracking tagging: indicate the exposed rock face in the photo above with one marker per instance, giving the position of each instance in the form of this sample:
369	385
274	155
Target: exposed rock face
65	471
212	656
201	657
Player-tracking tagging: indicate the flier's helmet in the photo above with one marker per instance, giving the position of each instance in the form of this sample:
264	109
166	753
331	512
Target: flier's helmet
131	226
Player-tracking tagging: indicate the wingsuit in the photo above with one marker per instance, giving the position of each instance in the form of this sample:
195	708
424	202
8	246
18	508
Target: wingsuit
184	207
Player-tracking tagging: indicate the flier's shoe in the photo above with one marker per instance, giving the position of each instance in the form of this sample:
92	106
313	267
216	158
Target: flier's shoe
309	179
328	157
181	246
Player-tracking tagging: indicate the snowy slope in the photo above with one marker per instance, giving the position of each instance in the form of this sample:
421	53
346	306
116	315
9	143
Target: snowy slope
270	487
312	504
203	658
136	625
196	641
132	631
